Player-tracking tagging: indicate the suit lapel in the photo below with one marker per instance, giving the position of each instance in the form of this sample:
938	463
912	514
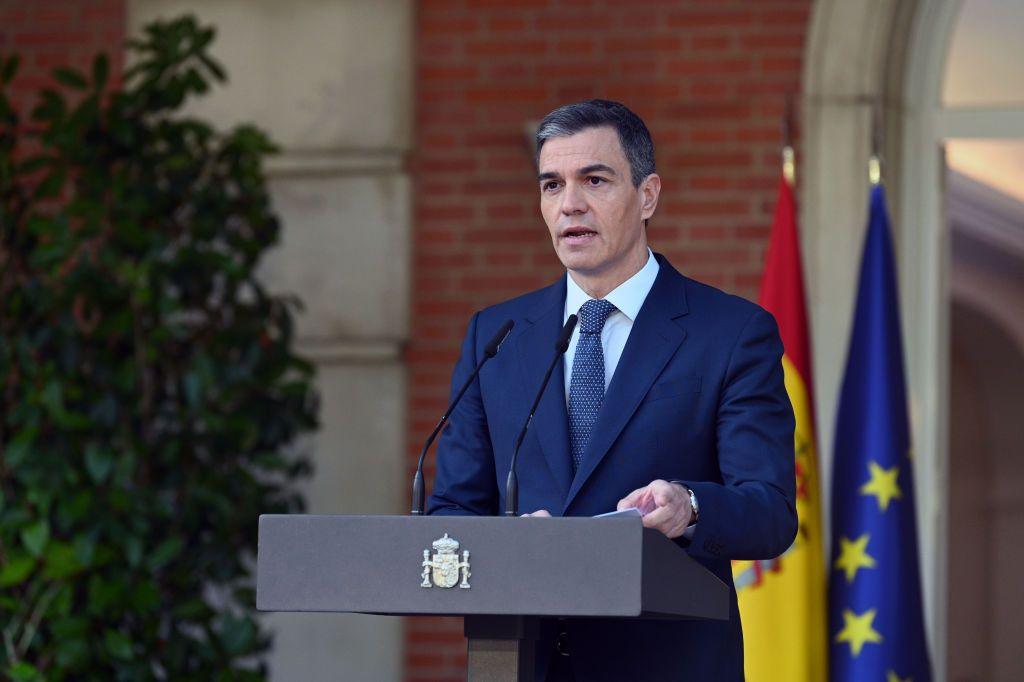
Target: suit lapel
653	340
551	421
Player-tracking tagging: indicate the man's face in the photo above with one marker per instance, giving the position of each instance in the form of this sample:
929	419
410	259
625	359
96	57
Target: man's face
593	211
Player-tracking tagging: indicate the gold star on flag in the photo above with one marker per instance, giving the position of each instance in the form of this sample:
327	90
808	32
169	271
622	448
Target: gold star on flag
858	630
854	556
891	676
882	484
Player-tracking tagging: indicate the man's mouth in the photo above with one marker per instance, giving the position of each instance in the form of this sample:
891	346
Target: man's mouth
578	235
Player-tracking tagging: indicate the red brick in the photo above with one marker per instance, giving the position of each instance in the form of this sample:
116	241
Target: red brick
505	211
443	213
708	18
570	47
784	41
709	208
710	79
449	24
704	67
505	48
498	93
50	36
711	42
448	73
506	24
52	14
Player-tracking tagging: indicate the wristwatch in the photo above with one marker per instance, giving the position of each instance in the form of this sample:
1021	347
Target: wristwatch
693	505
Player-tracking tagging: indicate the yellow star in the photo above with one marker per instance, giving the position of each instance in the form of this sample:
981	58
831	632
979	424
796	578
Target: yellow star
857	630
891	676
853	556
882	485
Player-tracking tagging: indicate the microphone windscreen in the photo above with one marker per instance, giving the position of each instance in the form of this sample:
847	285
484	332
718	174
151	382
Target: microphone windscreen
562	344
491	349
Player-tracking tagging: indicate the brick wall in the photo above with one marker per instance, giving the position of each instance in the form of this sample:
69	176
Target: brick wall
708	77
51	33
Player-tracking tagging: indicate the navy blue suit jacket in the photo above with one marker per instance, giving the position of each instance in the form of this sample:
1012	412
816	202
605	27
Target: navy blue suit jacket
698	396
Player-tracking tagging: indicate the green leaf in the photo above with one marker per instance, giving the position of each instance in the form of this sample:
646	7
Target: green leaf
98	461
61	561
165	552
145	598
72	652
133	550
70	77
35	537
18	449
192	609
237	634
24	672
16	569
85	548
8	68
100	71
118	645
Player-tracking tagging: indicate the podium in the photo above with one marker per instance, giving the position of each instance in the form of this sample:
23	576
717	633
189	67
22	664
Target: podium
500	574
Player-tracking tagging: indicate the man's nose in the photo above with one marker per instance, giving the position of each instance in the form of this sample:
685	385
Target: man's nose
573	200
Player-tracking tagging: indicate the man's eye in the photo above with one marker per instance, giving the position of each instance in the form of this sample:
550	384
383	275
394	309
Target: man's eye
550	185
595	181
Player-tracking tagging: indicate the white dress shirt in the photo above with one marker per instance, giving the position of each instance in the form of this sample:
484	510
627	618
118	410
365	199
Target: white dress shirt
627	298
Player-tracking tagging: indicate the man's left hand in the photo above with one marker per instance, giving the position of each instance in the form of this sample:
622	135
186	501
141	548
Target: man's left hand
665	506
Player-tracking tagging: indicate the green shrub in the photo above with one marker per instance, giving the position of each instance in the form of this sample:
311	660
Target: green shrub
149	390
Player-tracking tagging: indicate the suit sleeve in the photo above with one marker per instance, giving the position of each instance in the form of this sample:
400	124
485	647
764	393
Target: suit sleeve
465	480
752	513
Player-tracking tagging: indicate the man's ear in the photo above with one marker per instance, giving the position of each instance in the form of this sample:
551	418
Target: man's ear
650	190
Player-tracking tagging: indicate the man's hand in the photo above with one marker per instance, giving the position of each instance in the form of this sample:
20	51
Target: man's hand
665	506
540	513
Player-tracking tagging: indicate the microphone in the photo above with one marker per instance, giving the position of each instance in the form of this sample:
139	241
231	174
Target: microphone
512	484
490	350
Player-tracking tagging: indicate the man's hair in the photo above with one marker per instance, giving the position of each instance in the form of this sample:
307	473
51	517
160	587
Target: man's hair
597	113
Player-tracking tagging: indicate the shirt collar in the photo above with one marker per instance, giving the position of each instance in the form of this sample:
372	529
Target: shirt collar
628	297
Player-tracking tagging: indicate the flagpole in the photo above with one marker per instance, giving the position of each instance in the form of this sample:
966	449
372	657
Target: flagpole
877	135
788	155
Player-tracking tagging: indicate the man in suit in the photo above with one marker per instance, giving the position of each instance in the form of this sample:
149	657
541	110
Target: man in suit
670	399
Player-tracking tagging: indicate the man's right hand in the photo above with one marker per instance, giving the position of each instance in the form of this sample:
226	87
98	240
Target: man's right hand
540	513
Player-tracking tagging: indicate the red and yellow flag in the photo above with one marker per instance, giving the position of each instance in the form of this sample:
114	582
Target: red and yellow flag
782	601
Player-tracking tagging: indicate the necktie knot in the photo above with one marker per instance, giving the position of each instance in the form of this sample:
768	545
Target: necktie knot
593	315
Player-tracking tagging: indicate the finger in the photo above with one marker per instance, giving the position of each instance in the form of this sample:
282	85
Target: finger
631	500
661	518
665	493
541	513
646	503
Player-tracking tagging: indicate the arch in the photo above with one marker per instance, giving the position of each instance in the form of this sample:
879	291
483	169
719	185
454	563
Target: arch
884	57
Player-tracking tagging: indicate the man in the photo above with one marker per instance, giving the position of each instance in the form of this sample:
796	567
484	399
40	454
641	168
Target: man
671	400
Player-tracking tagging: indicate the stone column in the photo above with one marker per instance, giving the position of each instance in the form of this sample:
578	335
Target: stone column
331	82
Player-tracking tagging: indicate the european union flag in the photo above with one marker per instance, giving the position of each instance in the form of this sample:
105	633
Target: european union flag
876	626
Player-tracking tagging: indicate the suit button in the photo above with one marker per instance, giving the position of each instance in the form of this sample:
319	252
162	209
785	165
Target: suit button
562	643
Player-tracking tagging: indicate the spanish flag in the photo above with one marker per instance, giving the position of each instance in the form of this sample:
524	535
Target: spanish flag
782	601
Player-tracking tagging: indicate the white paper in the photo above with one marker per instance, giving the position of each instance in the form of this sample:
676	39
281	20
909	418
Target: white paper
632	511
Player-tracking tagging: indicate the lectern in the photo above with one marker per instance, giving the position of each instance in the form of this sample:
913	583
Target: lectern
500	574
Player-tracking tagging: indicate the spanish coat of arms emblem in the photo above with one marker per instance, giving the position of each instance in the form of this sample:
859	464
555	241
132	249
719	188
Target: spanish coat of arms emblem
444	569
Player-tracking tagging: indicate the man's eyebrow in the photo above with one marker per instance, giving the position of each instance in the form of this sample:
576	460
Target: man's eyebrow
595	168
586	170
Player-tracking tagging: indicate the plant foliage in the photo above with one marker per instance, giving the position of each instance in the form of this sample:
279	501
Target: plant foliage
148	386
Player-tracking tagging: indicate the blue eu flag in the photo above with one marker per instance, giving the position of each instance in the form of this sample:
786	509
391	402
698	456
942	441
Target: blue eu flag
876	626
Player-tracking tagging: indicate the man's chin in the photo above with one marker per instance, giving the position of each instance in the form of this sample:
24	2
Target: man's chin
583	263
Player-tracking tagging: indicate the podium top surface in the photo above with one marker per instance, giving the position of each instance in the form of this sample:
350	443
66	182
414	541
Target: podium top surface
575	567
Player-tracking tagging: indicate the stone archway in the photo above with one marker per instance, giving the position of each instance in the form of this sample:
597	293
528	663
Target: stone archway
881	61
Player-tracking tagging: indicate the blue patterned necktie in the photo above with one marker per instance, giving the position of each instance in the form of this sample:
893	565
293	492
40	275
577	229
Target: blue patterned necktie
586	386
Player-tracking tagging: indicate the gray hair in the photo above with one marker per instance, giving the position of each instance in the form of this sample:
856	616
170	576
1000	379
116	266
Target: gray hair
596	113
